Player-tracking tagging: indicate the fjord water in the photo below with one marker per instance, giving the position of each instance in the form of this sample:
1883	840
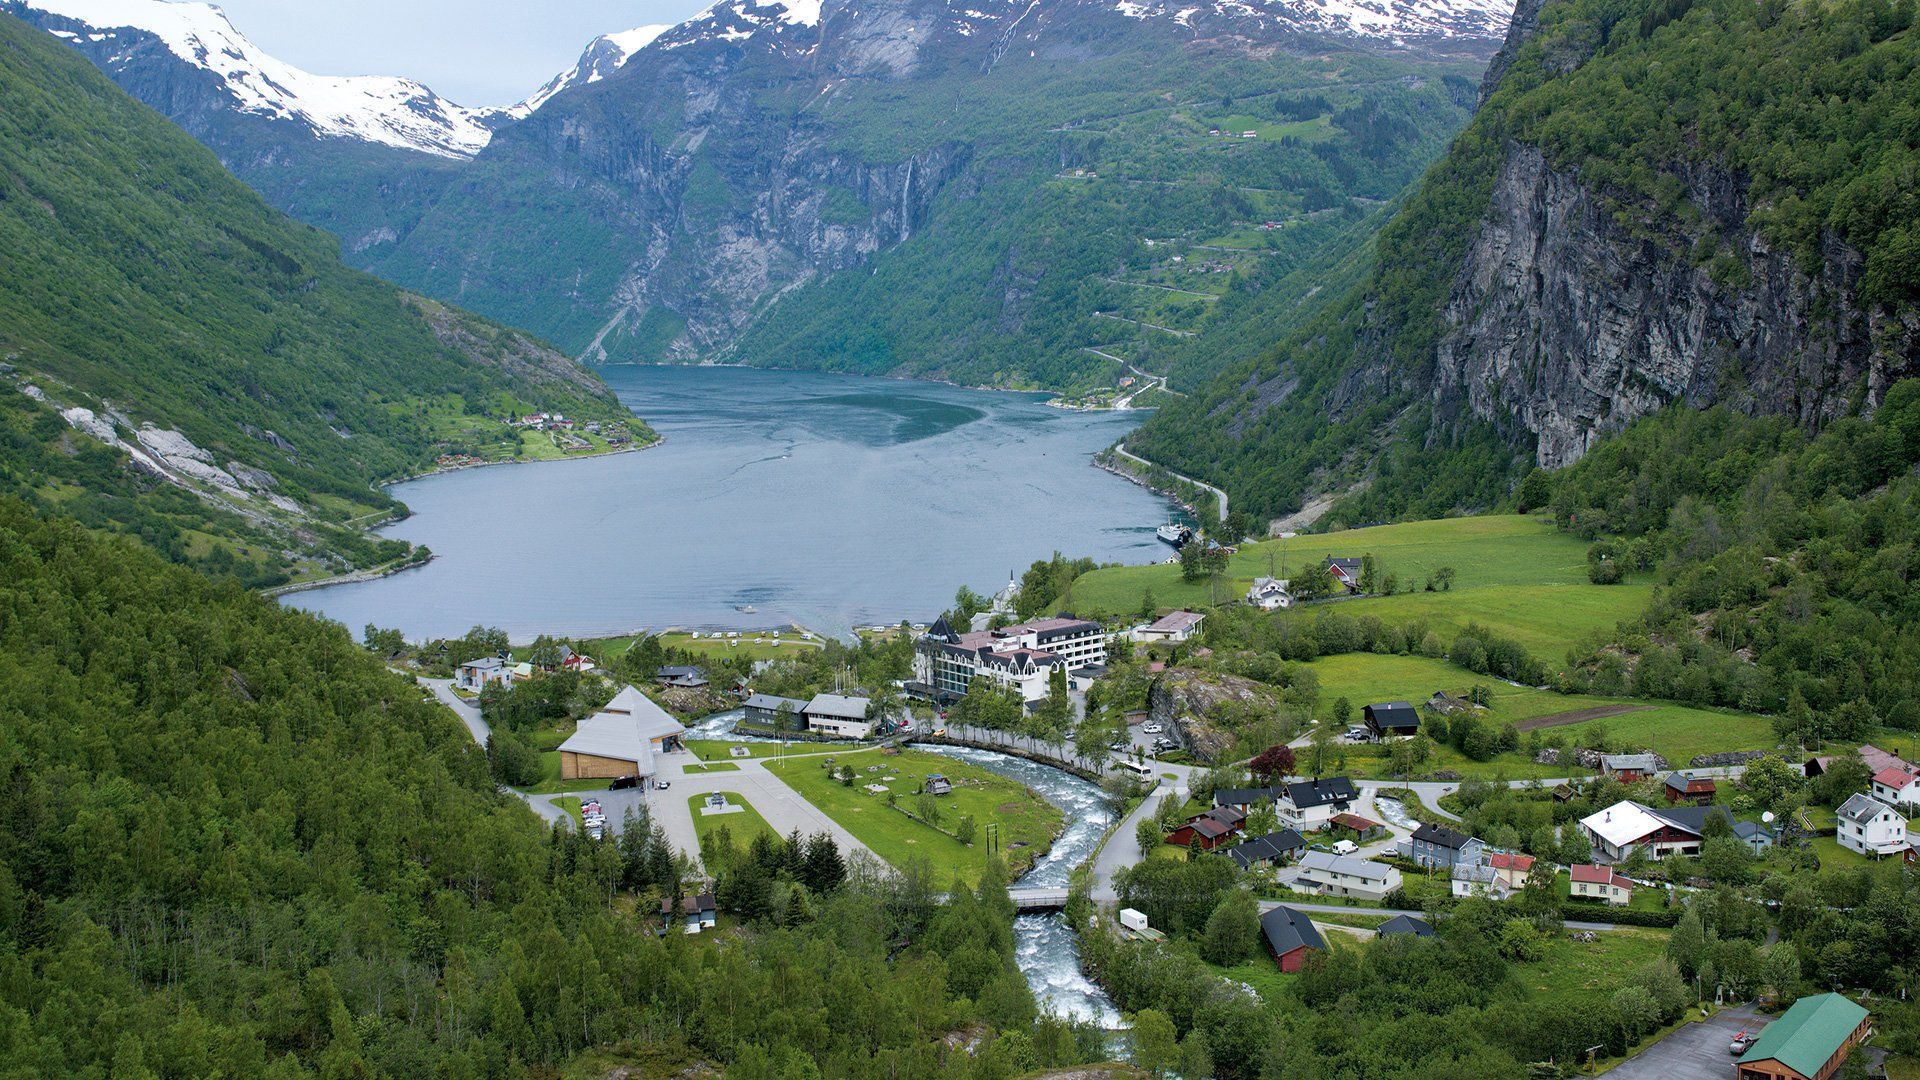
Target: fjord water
825	500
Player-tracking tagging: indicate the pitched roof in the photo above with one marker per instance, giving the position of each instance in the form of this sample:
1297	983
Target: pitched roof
1506	860
1599	875
1177	621
1393	714
1287	930
773	702
1862	808
1878	759
1405	924
485	663
1895	778
1318	792
1680	779
1266	848
838	706
1364	869
1244	796
624	730
1442	836
1625	822
1622	762
1807	1036
1475	872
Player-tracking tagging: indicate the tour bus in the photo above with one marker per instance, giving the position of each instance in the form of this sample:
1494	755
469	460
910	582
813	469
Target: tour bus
1134	769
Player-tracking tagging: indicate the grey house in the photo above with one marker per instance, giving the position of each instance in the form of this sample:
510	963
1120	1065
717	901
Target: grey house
1438	847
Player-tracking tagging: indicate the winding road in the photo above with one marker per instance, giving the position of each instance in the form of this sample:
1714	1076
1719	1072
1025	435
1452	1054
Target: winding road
1121	449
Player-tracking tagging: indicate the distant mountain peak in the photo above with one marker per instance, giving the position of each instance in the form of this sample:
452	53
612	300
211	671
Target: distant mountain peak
374	108
602	57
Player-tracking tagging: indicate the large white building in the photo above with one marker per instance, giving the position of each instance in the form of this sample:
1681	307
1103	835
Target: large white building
621	739
1870	827
1021	657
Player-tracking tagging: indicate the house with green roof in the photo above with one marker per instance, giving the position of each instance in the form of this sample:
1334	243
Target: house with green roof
1809	1042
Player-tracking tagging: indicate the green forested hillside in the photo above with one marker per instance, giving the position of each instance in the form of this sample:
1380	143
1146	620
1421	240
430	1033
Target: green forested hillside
1807	108
1789	563
1127	213
141	280
232	844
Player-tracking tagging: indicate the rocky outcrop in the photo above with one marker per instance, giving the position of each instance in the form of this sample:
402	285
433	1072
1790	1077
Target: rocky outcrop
1564	324
1207	709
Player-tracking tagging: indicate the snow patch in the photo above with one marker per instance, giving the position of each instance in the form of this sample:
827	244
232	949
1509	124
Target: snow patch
374	108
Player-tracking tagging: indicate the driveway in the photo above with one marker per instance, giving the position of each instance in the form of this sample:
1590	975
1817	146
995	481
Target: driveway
1695	1052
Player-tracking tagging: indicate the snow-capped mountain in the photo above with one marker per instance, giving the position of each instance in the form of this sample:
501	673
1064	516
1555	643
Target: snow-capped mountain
602	57
374	108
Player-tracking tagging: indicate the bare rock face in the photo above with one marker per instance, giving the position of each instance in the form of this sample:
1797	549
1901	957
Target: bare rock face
1206	707
1568	325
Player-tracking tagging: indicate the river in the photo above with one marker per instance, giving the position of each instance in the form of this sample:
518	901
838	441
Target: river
830	501
1044	945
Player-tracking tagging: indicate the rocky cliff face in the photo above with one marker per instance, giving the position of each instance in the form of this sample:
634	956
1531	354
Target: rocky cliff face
1566	325
1208	708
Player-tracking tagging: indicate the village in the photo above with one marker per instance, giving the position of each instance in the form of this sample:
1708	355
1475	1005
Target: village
710	761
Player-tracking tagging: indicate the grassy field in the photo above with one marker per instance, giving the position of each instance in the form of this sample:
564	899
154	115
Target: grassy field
712	766
1676	731
1515	573
753	644
714	750
1027	822
571	804
741	827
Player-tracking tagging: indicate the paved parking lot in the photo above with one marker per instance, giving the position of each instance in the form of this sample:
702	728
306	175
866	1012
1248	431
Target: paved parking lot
1695	1052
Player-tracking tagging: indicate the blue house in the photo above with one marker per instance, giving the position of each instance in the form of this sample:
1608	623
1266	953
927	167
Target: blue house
1440	848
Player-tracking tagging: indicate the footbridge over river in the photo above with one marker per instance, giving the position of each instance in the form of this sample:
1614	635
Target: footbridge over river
1038	899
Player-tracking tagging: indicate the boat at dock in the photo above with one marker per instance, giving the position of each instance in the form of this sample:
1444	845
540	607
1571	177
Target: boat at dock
1174	533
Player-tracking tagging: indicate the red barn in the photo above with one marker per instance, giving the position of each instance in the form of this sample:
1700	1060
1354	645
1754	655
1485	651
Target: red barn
1290	937
1213	828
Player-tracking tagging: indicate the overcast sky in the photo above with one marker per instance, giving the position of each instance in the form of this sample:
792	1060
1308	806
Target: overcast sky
475	52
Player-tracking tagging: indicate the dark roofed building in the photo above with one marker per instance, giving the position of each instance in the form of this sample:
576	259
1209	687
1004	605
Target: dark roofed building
1391	720
1290	937
1405	925
1309	804
1693	787
1245	798
1438	847
1213	828
1267	850
1346	571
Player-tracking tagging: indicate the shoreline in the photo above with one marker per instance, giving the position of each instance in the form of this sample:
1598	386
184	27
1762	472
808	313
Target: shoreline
1171	496
403	512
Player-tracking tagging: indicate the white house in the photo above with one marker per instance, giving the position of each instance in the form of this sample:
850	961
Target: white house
1587	881
1311	804
474	675
1269	594
1175	626
1343	875
1478	879
837	714
1870	827
1896	786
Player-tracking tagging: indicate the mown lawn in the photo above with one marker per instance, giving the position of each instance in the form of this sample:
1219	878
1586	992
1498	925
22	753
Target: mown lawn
755	644
741	827
1677	732
711	767
716	750
1027	823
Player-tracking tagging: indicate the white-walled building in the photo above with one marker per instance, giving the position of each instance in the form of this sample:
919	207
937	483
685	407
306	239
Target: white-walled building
1343	875
838	715
1870	827
1176	627
1021	657
1270	594
1896	786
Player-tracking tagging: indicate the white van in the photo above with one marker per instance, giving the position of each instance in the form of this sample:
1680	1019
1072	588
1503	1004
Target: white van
1345	847
1135	769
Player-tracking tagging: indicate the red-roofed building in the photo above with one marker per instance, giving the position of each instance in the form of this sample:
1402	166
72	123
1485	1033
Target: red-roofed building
1896	786
1355	822
1601	883
1510	869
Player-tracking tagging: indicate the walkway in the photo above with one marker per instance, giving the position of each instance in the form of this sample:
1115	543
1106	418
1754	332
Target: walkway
1122	450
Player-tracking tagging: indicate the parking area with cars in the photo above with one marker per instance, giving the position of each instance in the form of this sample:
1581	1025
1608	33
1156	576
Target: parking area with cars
1702	1051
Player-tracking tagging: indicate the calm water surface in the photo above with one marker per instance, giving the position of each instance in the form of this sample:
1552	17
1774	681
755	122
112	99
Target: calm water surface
824	500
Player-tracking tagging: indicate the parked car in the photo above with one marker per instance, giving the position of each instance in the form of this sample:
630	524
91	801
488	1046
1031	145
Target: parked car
1358	734
1118	747
661	785
1345	847
1741	1043
1152	728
